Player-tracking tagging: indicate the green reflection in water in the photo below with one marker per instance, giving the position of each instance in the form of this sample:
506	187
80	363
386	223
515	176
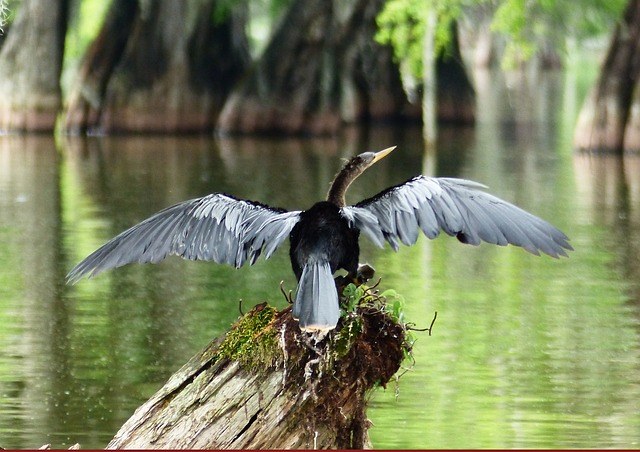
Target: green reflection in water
523	354
526	351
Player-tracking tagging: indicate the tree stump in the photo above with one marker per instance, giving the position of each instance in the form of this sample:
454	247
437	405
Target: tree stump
267	385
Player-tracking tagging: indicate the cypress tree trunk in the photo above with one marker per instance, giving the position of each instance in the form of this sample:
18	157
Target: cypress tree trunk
609	120
321	69
99	62
161	66
30	65
267	385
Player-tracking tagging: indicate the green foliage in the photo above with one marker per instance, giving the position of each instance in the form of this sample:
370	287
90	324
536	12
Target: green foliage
86	19
389	301
394	307
529	24
511	19
221	11
5	14
402	24
352	296
526	25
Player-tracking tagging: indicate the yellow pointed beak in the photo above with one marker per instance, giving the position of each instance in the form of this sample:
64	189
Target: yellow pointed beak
382	154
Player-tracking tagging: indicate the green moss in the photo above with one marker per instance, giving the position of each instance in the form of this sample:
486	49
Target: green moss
253	341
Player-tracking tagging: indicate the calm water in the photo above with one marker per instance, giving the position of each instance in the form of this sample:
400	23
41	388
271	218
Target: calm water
527	352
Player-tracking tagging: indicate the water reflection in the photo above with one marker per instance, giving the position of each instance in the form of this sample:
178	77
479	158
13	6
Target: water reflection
527	352
608	190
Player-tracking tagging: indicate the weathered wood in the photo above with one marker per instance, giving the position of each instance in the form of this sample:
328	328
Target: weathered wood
267	385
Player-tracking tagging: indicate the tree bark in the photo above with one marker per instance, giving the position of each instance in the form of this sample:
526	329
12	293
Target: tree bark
161	66
99	62
322	69
30	65
631	142
267	385
609	121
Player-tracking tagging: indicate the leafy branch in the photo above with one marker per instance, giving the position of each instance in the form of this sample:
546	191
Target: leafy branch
525	26
402	24
4	14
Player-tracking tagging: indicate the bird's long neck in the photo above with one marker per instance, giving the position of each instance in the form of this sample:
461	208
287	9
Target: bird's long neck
341	183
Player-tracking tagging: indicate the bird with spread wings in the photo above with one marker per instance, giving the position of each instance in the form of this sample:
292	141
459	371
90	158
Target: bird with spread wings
324	238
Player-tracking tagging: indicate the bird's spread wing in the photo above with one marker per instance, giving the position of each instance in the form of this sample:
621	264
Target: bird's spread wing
457	207
216	227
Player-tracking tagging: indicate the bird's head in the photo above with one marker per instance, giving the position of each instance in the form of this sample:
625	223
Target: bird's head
352	169
361	162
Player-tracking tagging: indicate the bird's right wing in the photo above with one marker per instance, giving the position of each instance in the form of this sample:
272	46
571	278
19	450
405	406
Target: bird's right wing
457	207
216	227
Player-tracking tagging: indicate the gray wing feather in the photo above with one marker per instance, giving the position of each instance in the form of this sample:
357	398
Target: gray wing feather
457	207
216	227
268	234
366	221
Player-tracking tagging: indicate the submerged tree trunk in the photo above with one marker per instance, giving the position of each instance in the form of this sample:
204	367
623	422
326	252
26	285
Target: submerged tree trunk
267	385
30	65
321	69
610	118
162	66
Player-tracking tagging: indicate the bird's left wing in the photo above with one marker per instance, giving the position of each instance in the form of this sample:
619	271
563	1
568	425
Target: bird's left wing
457	207
216	227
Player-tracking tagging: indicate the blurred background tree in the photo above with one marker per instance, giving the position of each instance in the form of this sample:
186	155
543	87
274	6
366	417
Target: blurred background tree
278	66
320	69
30	66
610	118
159	66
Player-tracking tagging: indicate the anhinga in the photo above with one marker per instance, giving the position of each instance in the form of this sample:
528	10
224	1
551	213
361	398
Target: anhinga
324	238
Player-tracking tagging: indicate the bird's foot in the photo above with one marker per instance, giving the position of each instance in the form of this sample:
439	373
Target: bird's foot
365	273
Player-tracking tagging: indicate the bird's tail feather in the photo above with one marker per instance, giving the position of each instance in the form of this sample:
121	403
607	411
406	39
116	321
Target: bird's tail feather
316	304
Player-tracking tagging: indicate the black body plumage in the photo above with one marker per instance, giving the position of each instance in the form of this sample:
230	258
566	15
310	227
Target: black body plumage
324	238
322	233
322	241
